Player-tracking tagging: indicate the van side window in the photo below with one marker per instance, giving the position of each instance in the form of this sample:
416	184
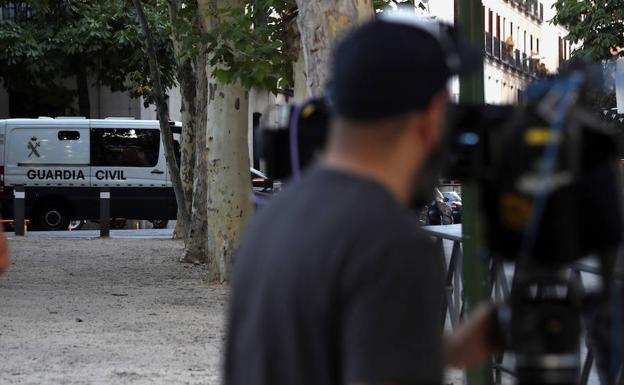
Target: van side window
124	147
69	135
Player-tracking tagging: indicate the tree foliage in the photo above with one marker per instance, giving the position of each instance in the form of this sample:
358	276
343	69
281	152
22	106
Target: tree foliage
256	44
259	42
598	26
42	42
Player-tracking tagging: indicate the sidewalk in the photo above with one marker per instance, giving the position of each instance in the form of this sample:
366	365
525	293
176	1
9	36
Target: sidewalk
143	233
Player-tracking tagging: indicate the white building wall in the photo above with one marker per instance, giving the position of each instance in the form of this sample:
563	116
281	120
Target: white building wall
174	102
550	36
105	103
442	9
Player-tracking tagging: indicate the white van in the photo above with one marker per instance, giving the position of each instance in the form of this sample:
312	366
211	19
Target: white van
63	162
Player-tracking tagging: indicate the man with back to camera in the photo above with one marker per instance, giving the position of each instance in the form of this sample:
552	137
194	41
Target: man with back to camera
334	282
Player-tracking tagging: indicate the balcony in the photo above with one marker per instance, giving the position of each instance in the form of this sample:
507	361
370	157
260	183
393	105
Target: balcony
488	44
525	65
504	52
532	8
497	48
512	59
517	60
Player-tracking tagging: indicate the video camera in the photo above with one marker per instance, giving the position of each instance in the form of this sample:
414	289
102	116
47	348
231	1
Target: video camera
549	179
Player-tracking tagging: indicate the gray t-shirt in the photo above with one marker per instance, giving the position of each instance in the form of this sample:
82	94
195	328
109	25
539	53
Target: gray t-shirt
334	283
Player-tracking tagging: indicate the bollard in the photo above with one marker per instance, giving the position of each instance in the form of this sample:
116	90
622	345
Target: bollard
104	212
18	210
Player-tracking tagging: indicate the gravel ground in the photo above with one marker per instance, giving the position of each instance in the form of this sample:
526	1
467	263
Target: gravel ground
117	311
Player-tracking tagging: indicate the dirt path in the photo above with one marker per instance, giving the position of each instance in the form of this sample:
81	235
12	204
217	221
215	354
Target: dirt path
120	311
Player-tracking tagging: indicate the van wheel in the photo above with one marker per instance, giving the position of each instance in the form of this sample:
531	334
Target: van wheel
118	224
76	225
52	216
160	223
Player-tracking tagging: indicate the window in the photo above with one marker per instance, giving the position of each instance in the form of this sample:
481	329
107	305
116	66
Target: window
124	147
537	45
490	18
69	135
504	25
16	11
524	43
483	15
498	27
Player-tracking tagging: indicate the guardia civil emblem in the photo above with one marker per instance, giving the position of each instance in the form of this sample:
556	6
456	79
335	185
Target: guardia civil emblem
33	145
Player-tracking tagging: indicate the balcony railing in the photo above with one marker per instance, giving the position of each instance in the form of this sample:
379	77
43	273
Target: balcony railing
532	8
497	48
525	63
506	55
488	43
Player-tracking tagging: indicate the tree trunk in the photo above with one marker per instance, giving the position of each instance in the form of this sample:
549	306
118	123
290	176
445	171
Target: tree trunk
187	79
320	23
229	182
187	141
299	76
163	112
195	250
82	85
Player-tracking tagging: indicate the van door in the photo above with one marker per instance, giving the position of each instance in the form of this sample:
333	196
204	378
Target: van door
47	155
129	161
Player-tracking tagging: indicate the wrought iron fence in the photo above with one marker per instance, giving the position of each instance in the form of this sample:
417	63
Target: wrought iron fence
499	288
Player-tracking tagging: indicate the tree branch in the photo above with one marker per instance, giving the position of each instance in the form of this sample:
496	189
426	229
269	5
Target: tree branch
163	112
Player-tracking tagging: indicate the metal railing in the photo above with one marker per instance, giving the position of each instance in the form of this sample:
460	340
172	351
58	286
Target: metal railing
505	54
499	287
488	43
20	222
497	48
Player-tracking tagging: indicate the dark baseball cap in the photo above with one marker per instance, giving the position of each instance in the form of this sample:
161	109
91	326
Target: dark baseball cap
395	64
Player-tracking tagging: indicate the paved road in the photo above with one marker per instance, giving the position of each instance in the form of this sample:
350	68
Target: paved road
143	234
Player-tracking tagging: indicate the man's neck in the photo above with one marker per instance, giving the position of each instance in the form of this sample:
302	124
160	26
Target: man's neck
381	173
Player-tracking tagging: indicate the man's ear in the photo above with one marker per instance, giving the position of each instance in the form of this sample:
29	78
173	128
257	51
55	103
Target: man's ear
433	120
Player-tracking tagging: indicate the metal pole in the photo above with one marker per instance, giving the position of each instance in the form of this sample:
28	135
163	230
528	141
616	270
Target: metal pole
18	210
104	212
474	264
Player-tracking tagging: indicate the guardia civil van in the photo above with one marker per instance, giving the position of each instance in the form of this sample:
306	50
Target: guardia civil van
63	163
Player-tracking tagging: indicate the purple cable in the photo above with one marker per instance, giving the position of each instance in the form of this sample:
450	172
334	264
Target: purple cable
294	136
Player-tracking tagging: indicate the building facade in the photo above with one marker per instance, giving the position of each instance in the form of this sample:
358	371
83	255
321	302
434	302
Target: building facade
520	44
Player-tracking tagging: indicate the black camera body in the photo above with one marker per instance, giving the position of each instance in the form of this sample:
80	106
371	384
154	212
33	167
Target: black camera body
504	148
550	195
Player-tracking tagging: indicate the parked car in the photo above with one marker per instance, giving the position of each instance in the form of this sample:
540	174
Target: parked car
454	201
437	212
